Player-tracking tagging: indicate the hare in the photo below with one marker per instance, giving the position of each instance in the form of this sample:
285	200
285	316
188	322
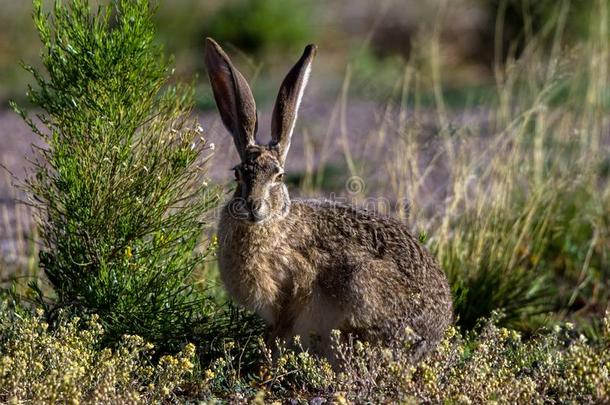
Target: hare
310	266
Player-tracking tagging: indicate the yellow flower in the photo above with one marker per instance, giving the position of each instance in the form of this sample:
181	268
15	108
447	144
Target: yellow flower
187	365
340	399
259	399
209	374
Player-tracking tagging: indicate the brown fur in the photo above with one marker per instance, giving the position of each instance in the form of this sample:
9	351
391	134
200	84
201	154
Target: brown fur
311	266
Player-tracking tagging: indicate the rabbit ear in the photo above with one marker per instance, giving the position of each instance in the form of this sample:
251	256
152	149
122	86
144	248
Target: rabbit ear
233	96
288	101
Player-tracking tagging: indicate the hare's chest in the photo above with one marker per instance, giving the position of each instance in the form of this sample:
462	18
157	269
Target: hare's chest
253	272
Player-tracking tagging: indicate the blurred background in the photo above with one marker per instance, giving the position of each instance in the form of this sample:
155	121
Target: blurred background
395	81
266	36
363	45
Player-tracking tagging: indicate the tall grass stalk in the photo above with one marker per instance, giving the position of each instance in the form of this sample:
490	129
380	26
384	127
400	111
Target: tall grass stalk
526	207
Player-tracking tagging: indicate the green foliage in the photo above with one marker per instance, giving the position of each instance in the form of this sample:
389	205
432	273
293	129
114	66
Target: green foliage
259	25
531	252
494	261
120	191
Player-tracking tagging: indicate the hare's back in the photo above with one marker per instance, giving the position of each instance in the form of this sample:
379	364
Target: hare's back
374	266
341	227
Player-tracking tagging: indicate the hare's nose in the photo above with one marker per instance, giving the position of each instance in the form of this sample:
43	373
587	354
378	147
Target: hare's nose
256	209
254	205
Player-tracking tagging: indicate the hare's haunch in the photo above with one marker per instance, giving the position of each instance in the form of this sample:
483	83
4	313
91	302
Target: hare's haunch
311	266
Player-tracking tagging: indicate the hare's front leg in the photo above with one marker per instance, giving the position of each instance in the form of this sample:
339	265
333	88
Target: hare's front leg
278	334
315	323
275	334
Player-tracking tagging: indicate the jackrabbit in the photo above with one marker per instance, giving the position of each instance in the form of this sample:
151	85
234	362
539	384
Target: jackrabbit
310	266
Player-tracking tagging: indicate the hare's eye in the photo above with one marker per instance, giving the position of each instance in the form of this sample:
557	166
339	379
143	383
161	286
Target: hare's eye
279	177
237	175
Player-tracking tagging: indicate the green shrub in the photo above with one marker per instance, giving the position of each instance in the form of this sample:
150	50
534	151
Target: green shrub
122	199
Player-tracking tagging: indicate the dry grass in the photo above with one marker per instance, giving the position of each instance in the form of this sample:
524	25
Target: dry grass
512	195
